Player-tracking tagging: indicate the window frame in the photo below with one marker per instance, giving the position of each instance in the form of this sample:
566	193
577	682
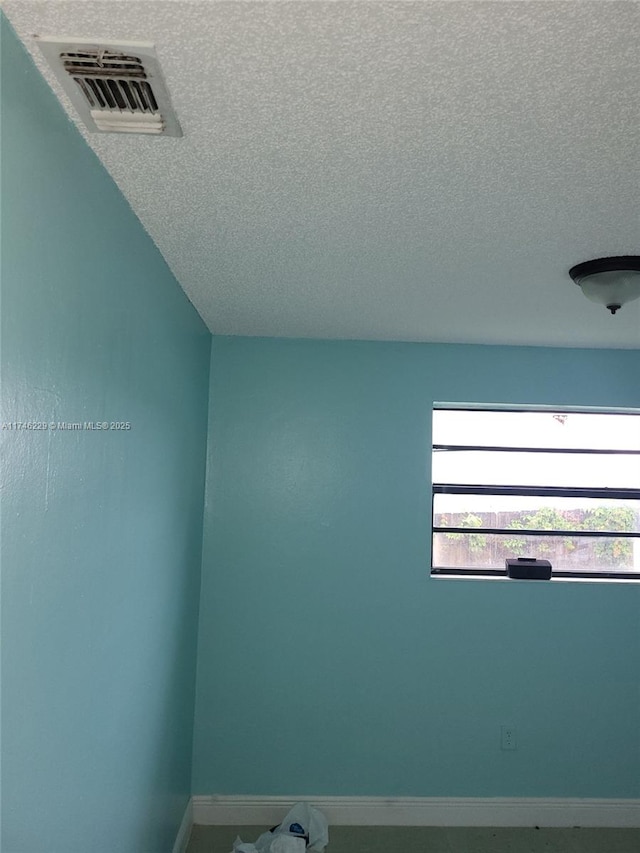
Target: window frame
533	491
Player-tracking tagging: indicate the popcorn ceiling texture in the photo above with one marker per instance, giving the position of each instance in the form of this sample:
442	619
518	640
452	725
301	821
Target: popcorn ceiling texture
404	170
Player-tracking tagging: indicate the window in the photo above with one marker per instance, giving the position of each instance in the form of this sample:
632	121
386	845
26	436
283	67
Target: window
563	486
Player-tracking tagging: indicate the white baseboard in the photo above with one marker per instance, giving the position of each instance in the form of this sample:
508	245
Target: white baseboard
421	811
182	838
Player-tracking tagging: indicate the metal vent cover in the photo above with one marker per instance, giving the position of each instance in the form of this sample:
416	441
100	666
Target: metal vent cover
115	87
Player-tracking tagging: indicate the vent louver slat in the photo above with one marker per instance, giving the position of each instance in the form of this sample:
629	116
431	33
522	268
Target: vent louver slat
150	97
113	87
92	84
85	90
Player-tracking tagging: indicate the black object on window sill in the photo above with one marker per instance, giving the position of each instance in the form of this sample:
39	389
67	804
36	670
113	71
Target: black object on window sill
526	568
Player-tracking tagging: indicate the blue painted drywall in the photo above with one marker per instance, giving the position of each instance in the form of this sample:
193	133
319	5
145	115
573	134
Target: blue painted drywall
101	531
329	661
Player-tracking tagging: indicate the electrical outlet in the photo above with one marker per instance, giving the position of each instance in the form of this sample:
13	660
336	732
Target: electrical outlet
507	737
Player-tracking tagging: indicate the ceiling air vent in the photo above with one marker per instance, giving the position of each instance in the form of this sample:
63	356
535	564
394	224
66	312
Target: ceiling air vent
115	87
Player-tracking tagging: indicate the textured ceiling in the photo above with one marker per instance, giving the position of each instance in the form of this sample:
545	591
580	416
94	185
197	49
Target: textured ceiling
423	171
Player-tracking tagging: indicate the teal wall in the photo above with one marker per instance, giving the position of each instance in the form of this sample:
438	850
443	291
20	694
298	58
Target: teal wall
101	531
329	661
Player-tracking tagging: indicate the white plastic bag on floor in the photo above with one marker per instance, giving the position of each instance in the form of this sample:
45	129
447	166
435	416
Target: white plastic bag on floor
271	842
312	822
282	843
303	829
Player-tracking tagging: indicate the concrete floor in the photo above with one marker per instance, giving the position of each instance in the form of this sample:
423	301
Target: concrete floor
402	839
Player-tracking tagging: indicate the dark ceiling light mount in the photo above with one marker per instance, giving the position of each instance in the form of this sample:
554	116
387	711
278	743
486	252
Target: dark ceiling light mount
609	281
